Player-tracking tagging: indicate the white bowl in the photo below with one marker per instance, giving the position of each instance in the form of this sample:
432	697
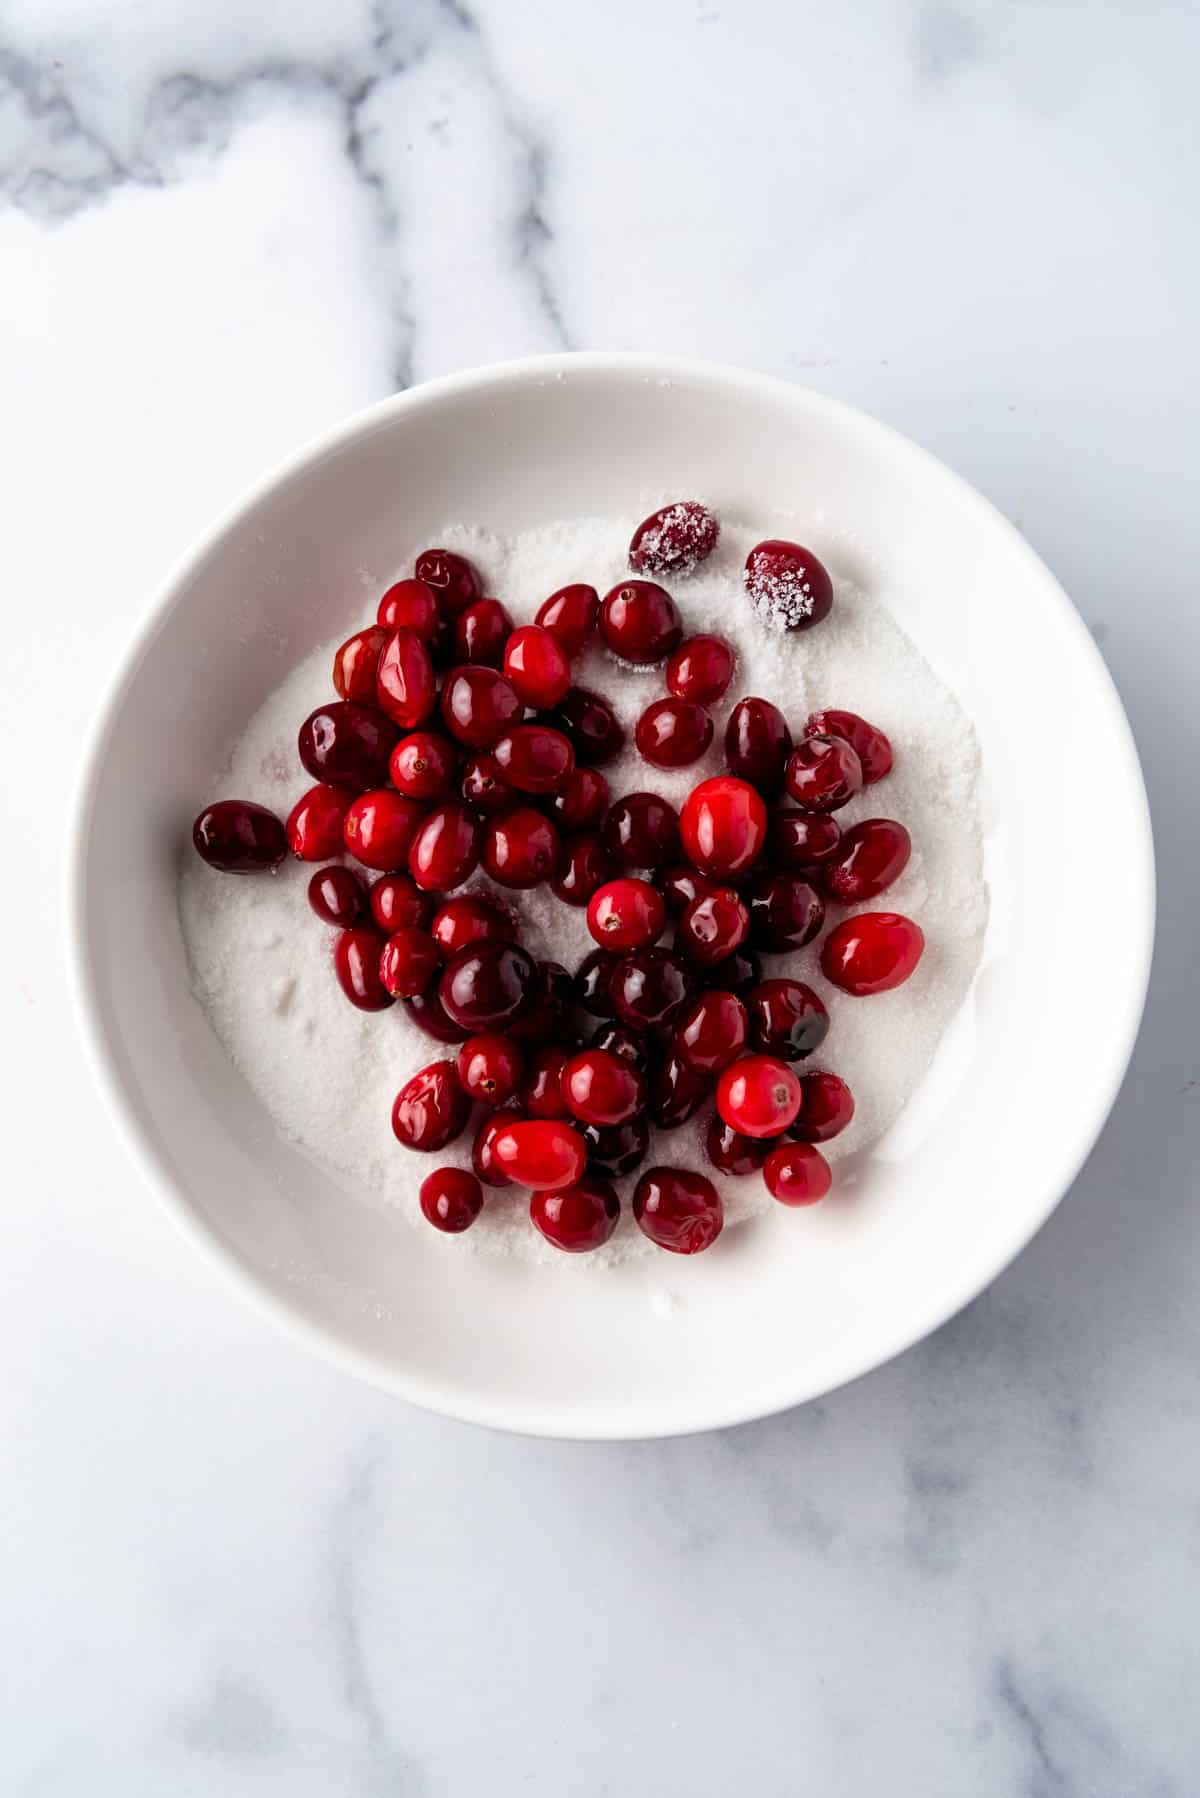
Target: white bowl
777	1312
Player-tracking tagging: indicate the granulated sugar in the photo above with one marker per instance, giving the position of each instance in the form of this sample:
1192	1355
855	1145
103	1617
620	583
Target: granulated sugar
328	1074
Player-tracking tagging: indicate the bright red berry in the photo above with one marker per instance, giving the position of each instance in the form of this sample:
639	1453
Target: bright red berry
826	1107
445	848
701	670
356	964
673	733
379	827
541	1095
758	1095
483	1157
423	765
675	539
677	1209
408	961
872	952
711	1033
570	614
600	1088
238	837
451	1199
410	606
724	825
480	633
397	904
797	1174
490	1068
871	857
520	848
314	826
787	586
479	705
431	1109
534	758
544	1153
536	664
626	914
579	1217
640	622
867	740
356	663
405	684
471	918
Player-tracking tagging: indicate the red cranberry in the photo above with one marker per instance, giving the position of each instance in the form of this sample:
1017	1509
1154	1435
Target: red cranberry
700	670
356	662
431	1108
545	1153
535	759
591	724
547	1004
866	740
677	1209
541	1096
396	904
798	842
712	1032
577	1218
738	973
640	622
583	866
536	664
649	988
724	825
797	1174
490	1068
423	765
314	826
616	1149
826	1107
379	827
823	774
675	539
408	961
483	1157
520	848
677	1091
622	1043
485	985
356	964
757	745
471	919
641	831
451	577
428	1013
570	614
758	1095
787	586
346	745
680	885
673	733
872	953
239	837
872	856
581	801
593	981
451	1199
411	606
712	927
479	705
480	633
445	849
600	1088
786	1018
730	1151
626	914
785	913
484	786
405	684
337	896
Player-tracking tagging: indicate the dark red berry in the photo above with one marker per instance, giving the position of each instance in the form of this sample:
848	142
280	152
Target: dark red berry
786	1018
423	765
547	1005
484	786
581	801
356	663
579	1217
541	1096
700	670
427	1012
680	885
797	1174
471	918
490	1068
649	988
405	684
411	605
592	983
785	913
673	733
677	1209
626	914
570	614
675	539
616	1149
826	1107
451	577
787	586
544	1153
337	896
677	1091
730	1151
479	705
379	827
712	927
356	964
738	973
798	842
711	1033
867	740
640	622
238	837
723	825
757	745
599	1088
758	1095
408	961
430	1109
483	1158
314	826
872	856
451	1199
445	848
397	904
536	664
534	758
591	724
583	866
520	848
481	631
823	774
486	985
872	953
641	831
623	1043
346	745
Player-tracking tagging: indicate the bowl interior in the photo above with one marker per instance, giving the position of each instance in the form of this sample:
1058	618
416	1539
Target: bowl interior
775	1313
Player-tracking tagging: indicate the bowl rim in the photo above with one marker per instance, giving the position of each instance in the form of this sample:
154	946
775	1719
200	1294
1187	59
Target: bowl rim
530	1417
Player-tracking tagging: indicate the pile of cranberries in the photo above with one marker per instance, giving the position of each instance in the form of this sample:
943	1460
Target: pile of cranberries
457	742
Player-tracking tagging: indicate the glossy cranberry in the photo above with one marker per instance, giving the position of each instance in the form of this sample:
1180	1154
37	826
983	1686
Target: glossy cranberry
581	801
640	622
757	745
356	663
479	705
423	765
579	1217
541	1095
411	605
681	884
649	988
786	1018
405	684
534	758
591	724
616	1149
544	1153
471	919
758	1095
731	1152
787	586
866	740
738	973
445	848
798	842
626	914
712	927
723	825
314	826
583	866
570	614
238	837
490	1068
785	913
536	664
700	670
872	856
484	787
431	1109
623	1043
379	826
451	576
593	982
826	1107
481	631
675	539
408	961
797	1174
599	1088
872	953
337	896
673	733
451	1199
677	1209
346	745
823	774
397	904
641	831
547	1007
427	1012
520	848
485	985
356	964
677	1091
483	1158
711	1033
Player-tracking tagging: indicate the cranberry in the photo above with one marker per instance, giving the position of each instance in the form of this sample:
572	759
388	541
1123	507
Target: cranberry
570	614
396	904
431	1108
677	1091
471	919
581	801
617	1149
483	1156
356	662
422	765
490	1068
785	913
545	1153
622	1043
337	896
641	831
626	914
451	577
872	856
680	885
520	848
826	1107
239	837
405	684
536	664
484	786
411	606
593	981
711	1032
479	705
787	586
379	826
592	725
758	1095
445	849
866	740
723	824
408	961
797	1174
872	953
757	745
346	745
823	774
314	826
786	1018
649	988
579	1217
798	842
356	964
600	1088
701	670
677	1209
485	985
712	927
547	1005
730	1151
673	733
535	759
541	1095
480	633
640	622
738	973
451	1199
428	1013
674	539
583	866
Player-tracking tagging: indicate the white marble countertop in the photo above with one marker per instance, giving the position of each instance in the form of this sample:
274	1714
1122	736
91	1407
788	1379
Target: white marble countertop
228	1570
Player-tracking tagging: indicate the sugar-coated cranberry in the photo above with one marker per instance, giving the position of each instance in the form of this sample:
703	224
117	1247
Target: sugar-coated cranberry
599	1088
712	927
486	984
520	848
428	1013
625	1044
798	842
471	918
677	1209
711	1033
423	765
823	774
616	1149
337	896
592	725
451	1199
444	849
431	1109
356	964
738	973
544	1018
379	827
346	745
545	1153
867	740
786	1018
408	961
758	1095
579	1217
677	1091
582	867
398	904
641	831
490	1068
826	1107
673	733
731	1152
356	663
534	758
484	786
675	539
479	705
581	801
788	587
872	856
649	988
541	1095
405	684
593	983
640	622
681	884
785	913
723	825
483	1157
797	1174
451	576
481	631
872	953
314	826
536	664
570	614
701	670
757	744
238	837
410	605
626	914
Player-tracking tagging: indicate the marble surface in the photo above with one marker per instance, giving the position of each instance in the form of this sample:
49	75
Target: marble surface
227	1570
